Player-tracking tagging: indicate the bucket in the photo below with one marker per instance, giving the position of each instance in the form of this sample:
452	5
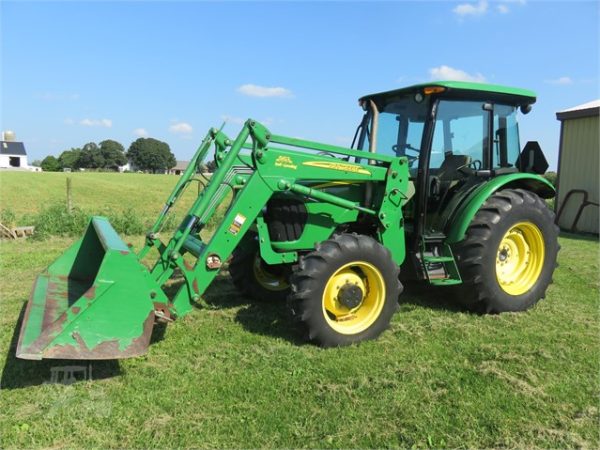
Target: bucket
96	301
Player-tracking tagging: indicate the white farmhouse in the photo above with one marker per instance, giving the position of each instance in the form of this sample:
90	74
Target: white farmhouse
13	154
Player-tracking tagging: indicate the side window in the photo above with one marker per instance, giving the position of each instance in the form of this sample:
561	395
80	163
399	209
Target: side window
506	136
461	128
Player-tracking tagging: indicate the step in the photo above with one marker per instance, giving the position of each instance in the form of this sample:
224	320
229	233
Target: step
438	259
435	237
444	282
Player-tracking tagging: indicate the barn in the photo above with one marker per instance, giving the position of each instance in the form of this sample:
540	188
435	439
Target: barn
12	153
578	186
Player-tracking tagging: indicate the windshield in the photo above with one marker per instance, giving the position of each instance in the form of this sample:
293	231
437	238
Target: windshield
400	128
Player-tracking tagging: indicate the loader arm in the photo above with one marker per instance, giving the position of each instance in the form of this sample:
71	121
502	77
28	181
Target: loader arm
98	301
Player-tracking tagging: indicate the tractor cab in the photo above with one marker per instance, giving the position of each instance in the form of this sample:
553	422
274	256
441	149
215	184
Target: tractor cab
456	137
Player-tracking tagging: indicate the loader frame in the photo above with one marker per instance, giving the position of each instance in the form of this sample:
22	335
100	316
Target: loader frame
254	178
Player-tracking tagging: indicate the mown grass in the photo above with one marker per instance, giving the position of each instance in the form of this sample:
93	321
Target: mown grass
27	197
238	374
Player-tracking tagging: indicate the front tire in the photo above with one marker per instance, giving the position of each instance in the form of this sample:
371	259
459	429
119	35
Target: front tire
345	291
256	279
509	253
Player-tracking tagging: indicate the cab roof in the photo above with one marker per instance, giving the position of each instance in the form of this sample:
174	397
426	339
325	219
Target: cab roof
468	90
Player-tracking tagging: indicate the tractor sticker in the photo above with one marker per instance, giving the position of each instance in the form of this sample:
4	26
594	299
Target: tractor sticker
285	161
237	223
338	166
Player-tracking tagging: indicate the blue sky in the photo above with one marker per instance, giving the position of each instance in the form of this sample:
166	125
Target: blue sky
75	72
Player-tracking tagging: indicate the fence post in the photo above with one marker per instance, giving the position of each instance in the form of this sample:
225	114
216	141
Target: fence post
69	198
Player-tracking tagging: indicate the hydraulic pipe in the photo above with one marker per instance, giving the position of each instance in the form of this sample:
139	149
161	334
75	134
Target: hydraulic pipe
329	198
203	201
372	149
185	178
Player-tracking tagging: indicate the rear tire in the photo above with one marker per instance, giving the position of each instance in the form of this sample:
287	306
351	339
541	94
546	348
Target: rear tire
509	253
345	291
255	278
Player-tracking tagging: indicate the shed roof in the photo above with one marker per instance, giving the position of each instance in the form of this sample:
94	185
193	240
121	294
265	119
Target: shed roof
12	148
181	165
588	109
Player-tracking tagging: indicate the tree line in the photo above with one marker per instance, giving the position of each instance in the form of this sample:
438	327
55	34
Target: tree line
145	154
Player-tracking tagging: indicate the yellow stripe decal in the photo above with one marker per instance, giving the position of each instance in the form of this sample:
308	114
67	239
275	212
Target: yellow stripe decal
337	166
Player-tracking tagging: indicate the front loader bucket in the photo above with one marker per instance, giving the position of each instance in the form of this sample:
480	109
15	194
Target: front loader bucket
96	301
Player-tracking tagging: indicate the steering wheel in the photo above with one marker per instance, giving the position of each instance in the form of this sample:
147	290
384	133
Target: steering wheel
476	164
327	154
411	158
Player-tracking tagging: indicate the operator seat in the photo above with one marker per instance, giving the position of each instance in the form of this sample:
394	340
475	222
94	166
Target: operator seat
448	175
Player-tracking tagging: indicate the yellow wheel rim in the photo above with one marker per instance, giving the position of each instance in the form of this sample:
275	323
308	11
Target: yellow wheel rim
520	258
353	297
266	278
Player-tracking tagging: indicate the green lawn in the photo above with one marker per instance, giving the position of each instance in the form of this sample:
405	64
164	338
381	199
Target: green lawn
27	193
238	374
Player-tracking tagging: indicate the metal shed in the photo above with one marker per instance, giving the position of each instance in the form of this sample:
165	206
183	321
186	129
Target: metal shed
578	166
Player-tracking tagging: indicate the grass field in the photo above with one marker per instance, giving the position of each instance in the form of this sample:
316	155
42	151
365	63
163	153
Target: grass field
238	374
26	193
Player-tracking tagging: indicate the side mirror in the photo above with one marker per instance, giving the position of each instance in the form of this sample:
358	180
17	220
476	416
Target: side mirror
526	109
532	159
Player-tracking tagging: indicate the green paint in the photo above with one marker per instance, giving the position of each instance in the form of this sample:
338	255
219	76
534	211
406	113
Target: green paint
465	213
521	95
94	301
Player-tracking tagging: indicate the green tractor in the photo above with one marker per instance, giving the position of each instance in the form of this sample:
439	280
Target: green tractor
435	184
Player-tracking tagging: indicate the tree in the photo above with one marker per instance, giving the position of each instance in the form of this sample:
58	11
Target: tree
211	166
91	158
151	154
70	158
113	154
36	163
50	164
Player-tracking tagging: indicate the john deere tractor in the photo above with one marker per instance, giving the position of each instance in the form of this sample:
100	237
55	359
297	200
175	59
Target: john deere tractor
435	183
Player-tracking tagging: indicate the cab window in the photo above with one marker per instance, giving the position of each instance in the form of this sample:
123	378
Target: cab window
506	137
461	128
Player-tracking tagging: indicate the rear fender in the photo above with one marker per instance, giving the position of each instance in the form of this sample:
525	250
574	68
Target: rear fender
461	218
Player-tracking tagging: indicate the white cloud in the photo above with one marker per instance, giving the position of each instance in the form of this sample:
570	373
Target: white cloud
69	121
181	128
450	73
107	123
253	90
503	8
140	132
471	9
561	81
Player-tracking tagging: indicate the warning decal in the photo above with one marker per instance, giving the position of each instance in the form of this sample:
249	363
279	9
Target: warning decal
237	223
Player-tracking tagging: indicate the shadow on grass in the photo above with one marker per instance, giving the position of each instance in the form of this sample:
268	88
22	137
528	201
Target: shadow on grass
275	319
259	317
20	373
421	294
579	236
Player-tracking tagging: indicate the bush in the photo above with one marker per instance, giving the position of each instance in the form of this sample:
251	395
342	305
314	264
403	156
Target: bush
127	222
8	218
551	177
56	220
